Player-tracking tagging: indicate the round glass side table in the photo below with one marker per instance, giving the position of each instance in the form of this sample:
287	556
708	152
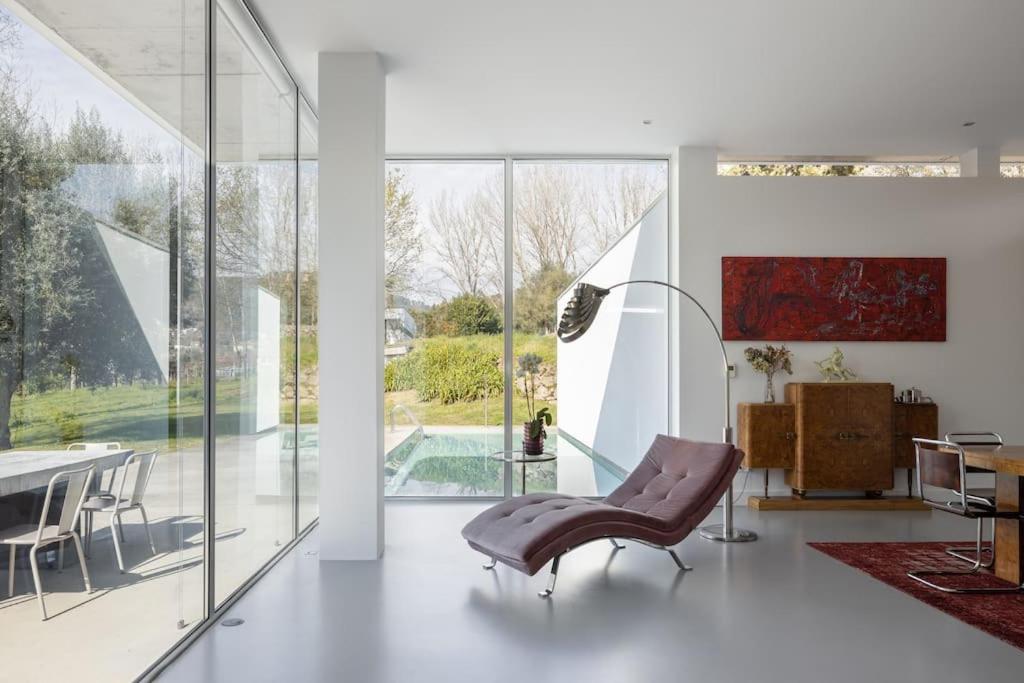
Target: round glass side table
516	455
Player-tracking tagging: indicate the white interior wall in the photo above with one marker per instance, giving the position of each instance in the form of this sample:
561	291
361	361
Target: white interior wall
976	223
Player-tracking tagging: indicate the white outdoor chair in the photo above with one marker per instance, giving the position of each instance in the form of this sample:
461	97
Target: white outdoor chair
41	535
135	475
99	446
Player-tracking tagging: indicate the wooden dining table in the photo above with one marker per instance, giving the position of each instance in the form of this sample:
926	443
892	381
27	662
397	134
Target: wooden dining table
1008	464
29	470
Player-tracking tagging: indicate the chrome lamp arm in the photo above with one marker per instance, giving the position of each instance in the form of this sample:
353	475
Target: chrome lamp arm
727	367
577	317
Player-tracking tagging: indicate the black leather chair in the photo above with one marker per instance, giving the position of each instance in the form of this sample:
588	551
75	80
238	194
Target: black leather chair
941	464
985	494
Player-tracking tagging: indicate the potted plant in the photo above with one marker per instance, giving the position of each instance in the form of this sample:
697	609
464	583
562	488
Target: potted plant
534	431
769	361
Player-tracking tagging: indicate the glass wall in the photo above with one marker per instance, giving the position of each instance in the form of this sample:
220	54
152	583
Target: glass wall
308	392
445	375
101	312
255	291
104	322
444	281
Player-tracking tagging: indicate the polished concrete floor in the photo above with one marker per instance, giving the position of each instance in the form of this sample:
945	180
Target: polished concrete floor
774	610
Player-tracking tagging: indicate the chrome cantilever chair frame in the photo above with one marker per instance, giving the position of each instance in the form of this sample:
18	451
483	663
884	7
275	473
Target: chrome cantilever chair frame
964	508
41	535
616	547
961	552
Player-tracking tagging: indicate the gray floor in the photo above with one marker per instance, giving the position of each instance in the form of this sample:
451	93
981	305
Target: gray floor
774	610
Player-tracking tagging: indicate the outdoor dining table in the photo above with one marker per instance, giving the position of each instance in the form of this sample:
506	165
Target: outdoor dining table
29	470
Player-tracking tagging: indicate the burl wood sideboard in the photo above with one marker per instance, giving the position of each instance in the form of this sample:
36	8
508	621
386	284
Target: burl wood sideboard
842	436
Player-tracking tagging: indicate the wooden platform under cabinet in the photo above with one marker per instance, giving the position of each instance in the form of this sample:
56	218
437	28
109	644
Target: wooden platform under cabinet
836	503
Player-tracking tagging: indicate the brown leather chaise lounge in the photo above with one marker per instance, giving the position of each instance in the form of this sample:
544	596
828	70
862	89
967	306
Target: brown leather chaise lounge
670	492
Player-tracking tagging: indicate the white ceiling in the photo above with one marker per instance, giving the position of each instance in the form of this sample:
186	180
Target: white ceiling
777	77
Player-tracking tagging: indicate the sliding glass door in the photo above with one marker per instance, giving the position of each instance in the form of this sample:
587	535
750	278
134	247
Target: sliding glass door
473	291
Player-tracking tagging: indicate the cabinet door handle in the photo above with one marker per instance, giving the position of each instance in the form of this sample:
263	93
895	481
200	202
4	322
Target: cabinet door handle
790	436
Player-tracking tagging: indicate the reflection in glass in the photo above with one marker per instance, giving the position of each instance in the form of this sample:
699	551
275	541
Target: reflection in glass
255	292
101	317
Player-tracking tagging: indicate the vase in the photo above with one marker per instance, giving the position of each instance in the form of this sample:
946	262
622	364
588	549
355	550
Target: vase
769	388
532	445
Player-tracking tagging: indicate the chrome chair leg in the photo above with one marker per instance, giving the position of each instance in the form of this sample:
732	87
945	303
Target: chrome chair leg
551	579
616	544
960	553
919	576
491	565
679	562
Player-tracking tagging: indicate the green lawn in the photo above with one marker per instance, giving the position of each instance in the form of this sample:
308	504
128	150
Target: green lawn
144	415
140	415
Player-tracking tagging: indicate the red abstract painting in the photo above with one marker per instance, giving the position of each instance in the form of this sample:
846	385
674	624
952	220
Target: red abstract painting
833	298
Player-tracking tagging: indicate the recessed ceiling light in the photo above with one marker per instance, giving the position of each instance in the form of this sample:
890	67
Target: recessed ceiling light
647	122
968	124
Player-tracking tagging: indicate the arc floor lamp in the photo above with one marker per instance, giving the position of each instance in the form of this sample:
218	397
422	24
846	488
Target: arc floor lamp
580	313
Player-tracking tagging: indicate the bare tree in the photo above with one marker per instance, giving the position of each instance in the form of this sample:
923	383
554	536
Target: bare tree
465	245
549	226
618	202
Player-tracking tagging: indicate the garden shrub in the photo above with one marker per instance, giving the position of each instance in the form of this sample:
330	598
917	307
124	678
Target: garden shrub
447	370
400	373
465	315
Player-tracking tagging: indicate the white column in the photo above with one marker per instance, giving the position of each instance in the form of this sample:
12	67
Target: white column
351	332
980	162
699	398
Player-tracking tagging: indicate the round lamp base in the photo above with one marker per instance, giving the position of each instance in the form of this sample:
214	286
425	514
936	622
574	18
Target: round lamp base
716	532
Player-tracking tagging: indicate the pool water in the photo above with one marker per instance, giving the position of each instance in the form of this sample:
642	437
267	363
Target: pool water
450	463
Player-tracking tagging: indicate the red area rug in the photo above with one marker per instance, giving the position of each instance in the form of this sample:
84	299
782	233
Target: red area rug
999	615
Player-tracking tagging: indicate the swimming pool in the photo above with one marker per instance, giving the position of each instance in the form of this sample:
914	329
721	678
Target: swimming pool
447	462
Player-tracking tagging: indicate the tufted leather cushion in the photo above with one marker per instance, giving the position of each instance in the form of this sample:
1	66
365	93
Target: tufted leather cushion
667	495
670	482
